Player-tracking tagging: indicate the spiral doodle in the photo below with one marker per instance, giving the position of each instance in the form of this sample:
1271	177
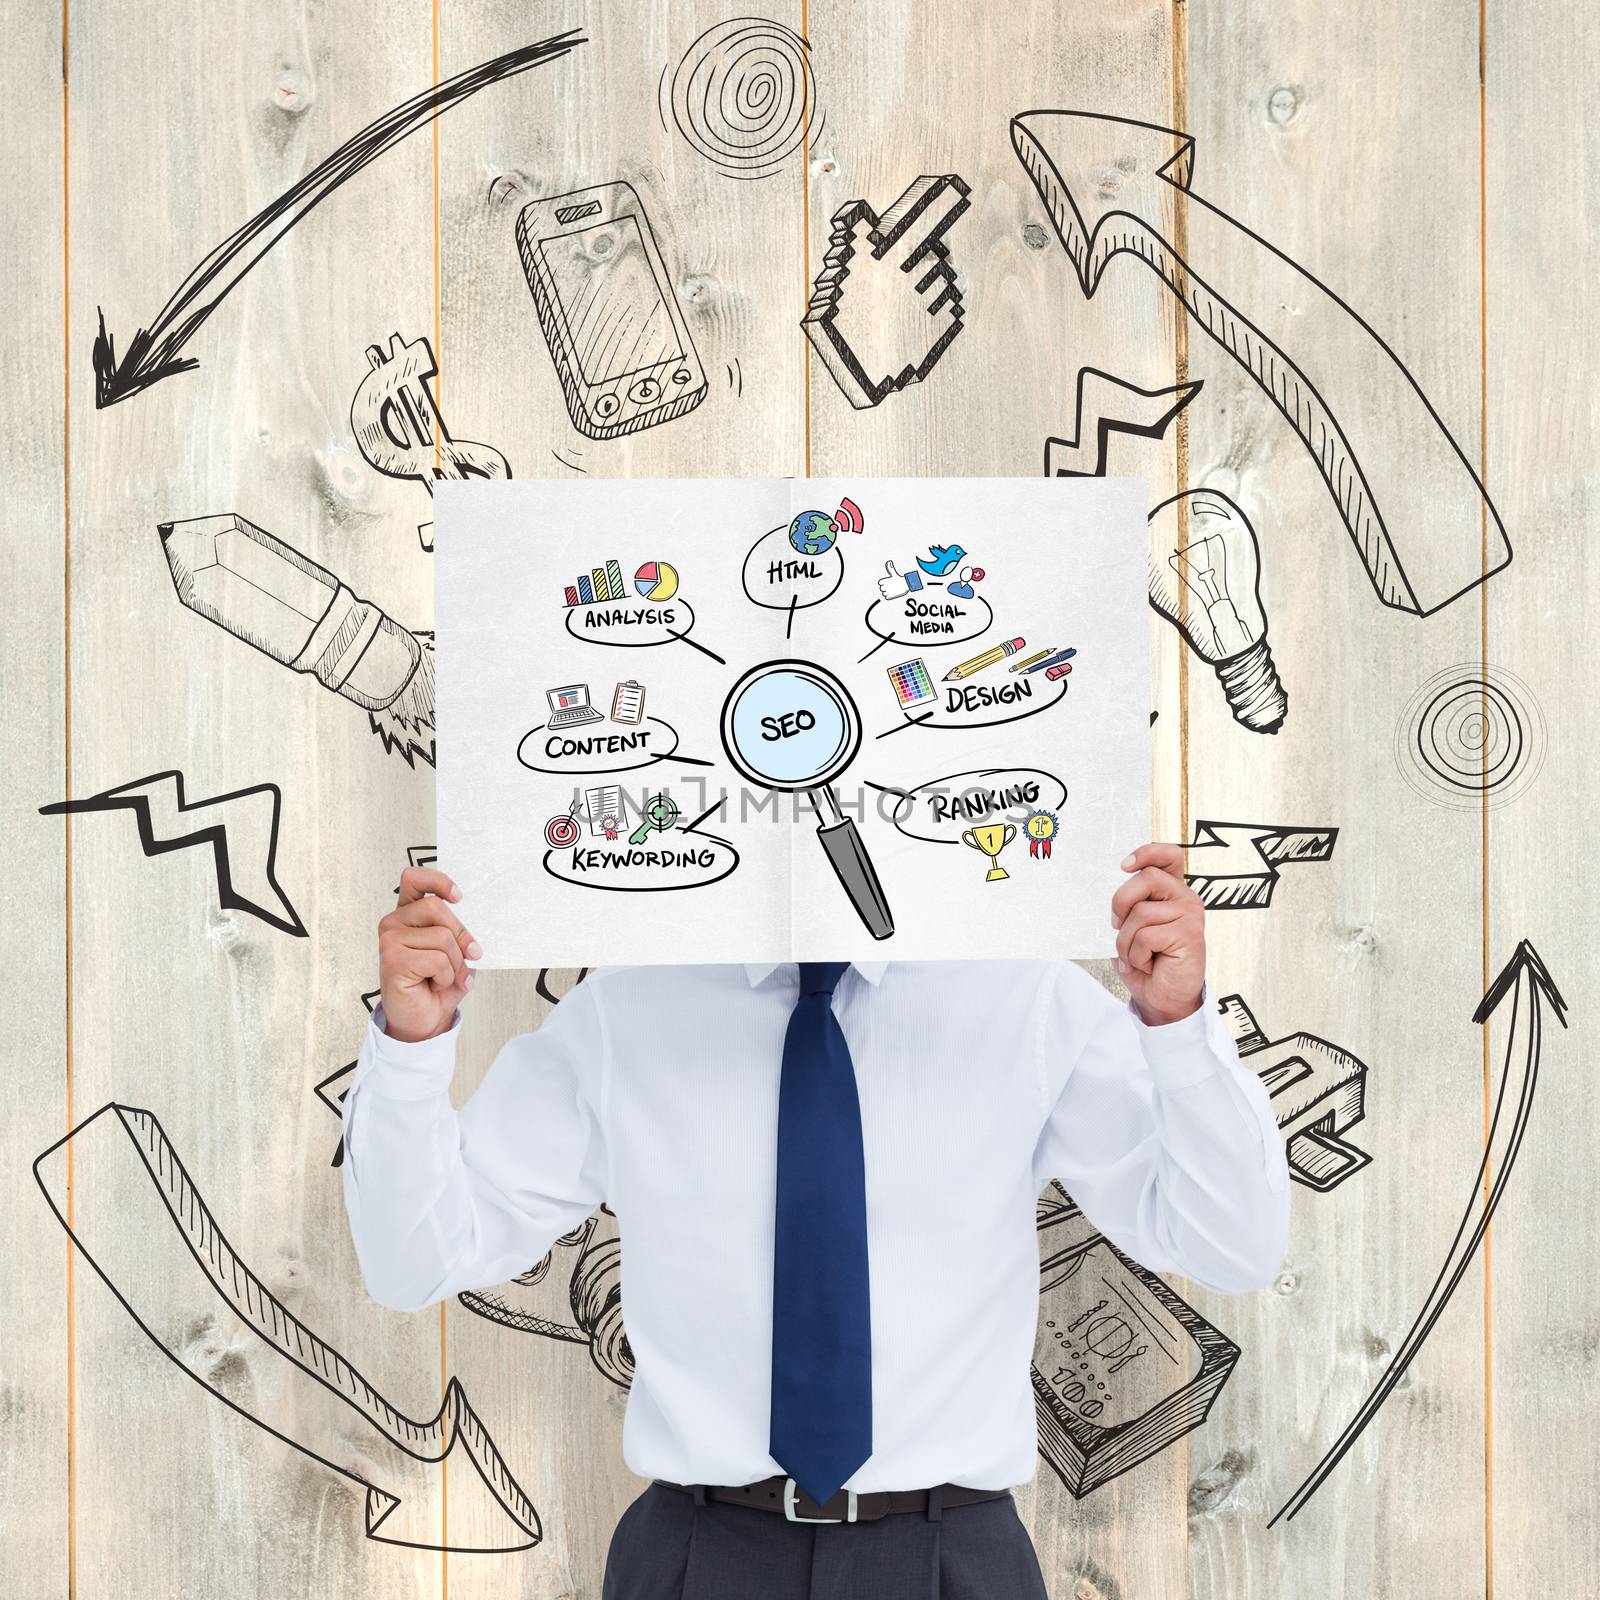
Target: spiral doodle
743	96
1471	735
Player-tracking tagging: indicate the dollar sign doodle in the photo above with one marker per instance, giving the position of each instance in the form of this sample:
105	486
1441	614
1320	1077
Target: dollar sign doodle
399	430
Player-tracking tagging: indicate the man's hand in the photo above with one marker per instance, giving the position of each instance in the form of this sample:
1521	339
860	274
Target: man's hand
422	957
1161	934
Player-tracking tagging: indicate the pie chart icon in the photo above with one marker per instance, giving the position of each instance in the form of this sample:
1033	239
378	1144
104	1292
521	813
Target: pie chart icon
656	580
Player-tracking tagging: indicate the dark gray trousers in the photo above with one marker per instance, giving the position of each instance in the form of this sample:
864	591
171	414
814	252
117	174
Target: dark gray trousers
668	1548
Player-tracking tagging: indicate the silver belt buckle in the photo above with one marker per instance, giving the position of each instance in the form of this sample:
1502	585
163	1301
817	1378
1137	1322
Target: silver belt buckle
789	1488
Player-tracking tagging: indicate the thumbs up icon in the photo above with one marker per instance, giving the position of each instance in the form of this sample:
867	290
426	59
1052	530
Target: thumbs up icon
894	583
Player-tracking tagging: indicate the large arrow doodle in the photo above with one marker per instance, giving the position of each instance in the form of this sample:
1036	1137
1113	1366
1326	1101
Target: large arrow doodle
152	1228
153	353
1108	405
877	327
1237	862
1420	518
1527	981
242	834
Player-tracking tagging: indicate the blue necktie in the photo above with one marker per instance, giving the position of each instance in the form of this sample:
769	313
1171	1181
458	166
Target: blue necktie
821	1325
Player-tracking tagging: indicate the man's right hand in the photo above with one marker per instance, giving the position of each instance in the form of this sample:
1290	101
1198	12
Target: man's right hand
422	957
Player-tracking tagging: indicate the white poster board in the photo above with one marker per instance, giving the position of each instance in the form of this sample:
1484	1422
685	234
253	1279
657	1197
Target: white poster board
775	720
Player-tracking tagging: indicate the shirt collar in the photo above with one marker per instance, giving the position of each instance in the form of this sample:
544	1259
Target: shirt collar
758	973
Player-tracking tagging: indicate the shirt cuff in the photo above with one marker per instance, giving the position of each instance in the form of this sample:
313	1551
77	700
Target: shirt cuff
413	1070
1185	1051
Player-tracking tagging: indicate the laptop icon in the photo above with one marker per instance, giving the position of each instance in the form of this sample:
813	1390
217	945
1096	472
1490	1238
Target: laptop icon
569	706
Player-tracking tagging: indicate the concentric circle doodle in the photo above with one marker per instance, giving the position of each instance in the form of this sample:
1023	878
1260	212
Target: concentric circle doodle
743	96
1472	735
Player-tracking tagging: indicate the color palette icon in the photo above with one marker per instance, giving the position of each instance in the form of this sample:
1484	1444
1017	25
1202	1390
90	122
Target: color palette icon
656	580
912	684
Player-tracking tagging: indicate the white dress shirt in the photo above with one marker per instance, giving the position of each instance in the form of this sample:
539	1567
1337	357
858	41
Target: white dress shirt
655	1089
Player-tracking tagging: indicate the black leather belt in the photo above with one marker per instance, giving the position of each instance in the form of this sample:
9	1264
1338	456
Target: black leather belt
785	1496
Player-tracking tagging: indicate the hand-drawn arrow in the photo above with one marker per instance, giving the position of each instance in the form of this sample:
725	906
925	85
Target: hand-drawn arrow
153	352
1528	981
1236	863
127	1174
1107	404
1419	515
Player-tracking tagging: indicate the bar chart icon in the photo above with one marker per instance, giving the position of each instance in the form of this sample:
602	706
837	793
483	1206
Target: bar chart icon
600	583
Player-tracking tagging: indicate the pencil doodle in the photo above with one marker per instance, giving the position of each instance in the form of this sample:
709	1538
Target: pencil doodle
610	315
572	1293
1317	1089
398	427
1206	581
1236	864
154	353
1106	405
743	96
1472	736
242	835
1527	981
143	1226
885	305
1416	511
1122	1365
265	592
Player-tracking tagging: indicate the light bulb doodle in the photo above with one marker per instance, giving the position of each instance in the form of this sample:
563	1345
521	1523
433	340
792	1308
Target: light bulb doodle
1206	583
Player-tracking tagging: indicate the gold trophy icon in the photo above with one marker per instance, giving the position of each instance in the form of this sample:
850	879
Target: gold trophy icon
991	839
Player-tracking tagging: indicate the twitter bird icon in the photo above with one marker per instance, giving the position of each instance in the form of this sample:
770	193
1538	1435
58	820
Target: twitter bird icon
945	558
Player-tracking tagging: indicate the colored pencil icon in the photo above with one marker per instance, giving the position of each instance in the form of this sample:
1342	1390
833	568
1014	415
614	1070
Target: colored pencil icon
1052	660
1028	661
987	659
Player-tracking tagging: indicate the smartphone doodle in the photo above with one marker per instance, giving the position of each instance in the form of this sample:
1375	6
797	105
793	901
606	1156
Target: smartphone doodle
621	348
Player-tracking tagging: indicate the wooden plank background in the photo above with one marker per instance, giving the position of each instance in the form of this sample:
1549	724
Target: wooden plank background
1434	170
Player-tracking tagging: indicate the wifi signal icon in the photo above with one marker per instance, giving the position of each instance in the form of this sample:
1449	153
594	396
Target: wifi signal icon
848	518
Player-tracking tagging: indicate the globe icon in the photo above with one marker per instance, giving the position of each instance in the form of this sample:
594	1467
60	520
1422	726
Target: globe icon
812	533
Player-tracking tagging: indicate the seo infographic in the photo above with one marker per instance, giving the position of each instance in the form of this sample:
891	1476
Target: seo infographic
791	719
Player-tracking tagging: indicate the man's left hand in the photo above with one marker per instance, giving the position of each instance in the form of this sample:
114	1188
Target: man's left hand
1161	934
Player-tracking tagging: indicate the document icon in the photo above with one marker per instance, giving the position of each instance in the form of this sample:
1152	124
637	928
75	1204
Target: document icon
627	704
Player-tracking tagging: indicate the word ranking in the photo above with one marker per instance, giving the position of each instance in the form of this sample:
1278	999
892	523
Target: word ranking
973	805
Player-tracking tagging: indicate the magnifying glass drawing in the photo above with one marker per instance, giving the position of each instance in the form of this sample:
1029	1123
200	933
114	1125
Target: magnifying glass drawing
792	726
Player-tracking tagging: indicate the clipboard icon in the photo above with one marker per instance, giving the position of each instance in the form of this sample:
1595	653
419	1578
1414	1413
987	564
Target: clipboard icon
627	703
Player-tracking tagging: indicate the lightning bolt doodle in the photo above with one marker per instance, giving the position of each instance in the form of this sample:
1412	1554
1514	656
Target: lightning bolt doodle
243	837
1239	861
1108	405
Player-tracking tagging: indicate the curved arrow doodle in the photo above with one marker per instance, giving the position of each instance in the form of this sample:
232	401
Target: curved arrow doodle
124	1158
1526	979
153	353
1419	515
246	876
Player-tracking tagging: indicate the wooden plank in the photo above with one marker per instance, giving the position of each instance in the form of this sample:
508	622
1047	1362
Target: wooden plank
731	250
1541	413
1305	134
912	95
38	1282
212	1019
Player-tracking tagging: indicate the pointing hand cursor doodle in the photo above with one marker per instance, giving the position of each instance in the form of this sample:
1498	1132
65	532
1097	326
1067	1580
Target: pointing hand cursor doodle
885	305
